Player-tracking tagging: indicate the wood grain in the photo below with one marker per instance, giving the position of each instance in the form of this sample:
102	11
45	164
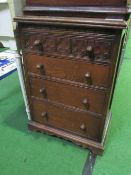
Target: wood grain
73	21
66	119
67	69
71	43
68	95
76	2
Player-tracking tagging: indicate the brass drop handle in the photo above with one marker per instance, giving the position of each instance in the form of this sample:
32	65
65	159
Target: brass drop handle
83	127
86	103
44	114
88	78
90	52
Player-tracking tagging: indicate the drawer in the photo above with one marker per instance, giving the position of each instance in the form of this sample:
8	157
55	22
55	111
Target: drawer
75	71
73	96
87	44
79	123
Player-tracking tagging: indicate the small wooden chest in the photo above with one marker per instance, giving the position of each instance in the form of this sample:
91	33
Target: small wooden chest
71	55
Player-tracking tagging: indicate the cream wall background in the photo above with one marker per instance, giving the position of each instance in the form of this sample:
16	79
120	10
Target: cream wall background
8	10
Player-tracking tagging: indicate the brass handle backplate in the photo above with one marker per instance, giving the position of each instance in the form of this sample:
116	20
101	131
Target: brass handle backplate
90	52
40	67
86	103
83	127
88	78
44	114
43	91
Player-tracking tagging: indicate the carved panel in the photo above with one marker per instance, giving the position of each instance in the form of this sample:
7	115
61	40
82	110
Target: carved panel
69	43
102	49
31	45
79	45
63	45
49	44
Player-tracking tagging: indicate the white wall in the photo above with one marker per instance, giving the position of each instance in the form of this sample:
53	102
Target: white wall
16	8
8	10
5	21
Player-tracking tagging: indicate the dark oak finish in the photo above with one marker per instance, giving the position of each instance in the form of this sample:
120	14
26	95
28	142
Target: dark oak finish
80	123
95	146
88	10
89	74
68	95
108	22
78	44
76	2
71	55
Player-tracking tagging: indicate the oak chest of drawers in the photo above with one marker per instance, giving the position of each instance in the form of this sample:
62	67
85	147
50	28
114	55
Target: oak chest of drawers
71	54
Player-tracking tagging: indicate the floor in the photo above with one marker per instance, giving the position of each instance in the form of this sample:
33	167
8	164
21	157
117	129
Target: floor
117	156
25	152
29	153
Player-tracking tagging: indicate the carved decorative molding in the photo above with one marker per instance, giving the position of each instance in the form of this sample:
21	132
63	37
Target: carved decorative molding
69	43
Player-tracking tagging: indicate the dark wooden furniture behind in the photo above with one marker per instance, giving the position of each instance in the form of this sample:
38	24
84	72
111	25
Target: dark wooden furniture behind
71	54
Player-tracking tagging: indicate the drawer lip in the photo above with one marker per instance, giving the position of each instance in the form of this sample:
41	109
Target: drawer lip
69	82
68	58
108	62
66	107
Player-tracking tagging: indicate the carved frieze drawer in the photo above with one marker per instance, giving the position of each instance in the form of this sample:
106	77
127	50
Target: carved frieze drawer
72	43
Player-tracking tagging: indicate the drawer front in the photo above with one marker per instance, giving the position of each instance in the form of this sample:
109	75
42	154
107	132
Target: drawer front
91	45
75	71
79	123
83	98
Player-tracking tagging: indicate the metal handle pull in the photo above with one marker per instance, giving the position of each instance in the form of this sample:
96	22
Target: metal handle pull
44	114
88	78
90	52
83	127
85	103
